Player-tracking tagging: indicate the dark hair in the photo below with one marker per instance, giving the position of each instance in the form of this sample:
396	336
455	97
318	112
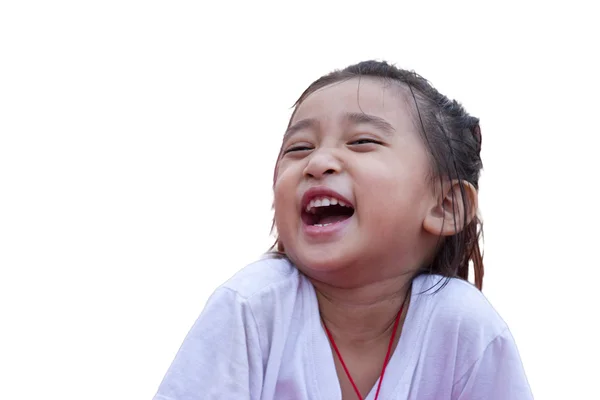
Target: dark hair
453	140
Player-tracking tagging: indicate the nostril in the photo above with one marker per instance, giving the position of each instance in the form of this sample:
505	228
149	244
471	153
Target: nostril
313	175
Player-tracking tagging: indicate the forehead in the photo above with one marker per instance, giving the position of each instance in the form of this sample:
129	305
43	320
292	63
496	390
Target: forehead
372	96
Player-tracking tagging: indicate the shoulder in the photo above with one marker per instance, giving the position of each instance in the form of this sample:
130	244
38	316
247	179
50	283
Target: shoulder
234	333
459	309
265	275
267	291
456	321
261	297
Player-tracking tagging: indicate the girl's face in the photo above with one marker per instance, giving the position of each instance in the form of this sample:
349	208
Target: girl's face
353	143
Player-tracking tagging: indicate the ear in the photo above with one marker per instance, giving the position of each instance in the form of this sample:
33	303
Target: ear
447	216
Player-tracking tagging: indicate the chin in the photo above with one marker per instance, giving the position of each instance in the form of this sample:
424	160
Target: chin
316	261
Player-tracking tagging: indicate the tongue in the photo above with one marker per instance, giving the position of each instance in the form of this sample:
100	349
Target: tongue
330	219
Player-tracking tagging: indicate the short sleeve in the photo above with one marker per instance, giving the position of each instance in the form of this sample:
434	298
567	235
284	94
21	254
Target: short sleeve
497	375
220	357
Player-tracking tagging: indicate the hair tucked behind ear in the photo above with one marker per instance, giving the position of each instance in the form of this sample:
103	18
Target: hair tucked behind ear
453	140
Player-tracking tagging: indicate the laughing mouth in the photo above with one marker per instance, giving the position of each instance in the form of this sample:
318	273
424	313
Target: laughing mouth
326	210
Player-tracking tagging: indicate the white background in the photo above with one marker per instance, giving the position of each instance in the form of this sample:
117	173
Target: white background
137	141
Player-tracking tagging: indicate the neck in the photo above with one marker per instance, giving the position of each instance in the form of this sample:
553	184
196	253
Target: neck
365	315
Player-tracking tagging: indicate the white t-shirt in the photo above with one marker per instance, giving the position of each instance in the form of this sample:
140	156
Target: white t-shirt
260	337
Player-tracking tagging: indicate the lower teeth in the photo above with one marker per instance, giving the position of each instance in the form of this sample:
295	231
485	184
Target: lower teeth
323	224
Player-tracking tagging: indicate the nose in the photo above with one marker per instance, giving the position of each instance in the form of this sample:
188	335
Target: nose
321	163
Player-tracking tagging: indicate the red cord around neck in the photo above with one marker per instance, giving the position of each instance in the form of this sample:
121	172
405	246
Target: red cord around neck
385	362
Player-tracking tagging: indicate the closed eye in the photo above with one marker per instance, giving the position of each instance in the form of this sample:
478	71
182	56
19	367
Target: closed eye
365	141
297	149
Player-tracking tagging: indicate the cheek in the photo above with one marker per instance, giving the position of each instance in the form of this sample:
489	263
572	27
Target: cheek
395	196
284	193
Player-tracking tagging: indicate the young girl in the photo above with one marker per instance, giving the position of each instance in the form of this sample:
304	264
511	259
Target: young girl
367	295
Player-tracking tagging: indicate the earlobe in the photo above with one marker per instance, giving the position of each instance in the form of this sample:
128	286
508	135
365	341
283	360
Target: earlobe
447	216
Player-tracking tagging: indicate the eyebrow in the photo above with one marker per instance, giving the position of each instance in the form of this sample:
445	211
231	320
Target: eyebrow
378	122
300	125
353	118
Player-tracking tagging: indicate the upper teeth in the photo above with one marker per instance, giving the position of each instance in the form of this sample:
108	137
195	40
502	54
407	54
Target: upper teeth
324	202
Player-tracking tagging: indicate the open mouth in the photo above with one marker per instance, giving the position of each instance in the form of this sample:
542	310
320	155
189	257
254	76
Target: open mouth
323	211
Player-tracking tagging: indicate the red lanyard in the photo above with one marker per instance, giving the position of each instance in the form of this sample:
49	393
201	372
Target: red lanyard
385	362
